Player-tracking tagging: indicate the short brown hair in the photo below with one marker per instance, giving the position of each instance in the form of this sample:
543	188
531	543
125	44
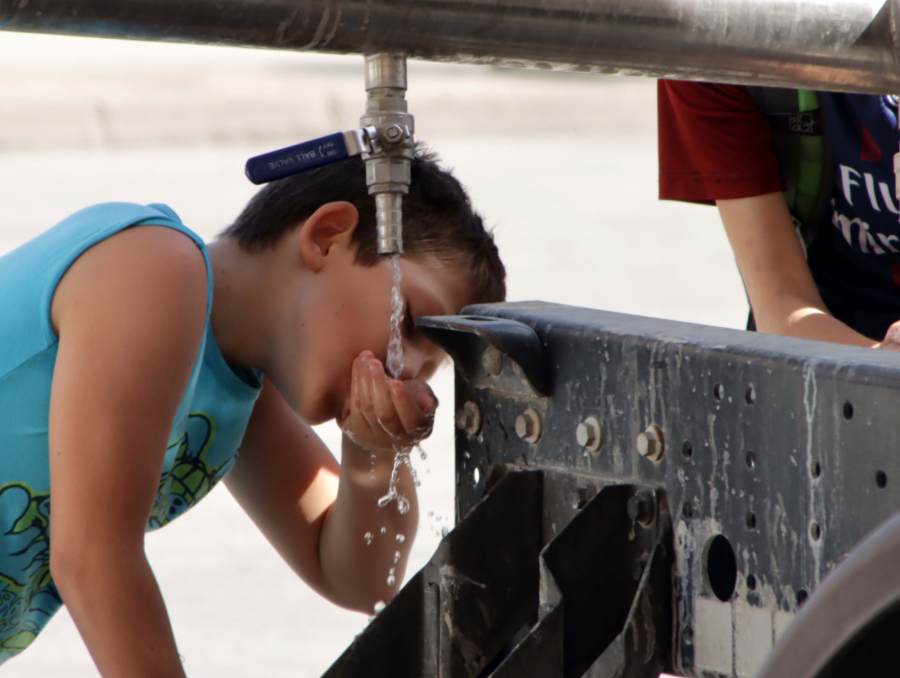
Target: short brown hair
438	219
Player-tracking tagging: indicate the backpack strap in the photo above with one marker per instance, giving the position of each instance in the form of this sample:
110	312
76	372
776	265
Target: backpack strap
802	146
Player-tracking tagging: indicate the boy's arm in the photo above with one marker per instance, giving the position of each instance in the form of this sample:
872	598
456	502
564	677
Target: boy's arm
782	293
315	512
130	314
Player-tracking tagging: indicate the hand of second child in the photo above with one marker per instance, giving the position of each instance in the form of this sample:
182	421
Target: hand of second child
891	340
386	414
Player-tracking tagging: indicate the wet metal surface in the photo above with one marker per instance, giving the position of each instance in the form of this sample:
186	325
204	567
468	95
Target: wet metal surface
780	457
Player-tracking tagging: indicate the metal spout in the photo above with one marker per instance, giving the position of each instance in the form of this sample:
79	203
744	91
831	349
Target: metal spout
392	146
389	222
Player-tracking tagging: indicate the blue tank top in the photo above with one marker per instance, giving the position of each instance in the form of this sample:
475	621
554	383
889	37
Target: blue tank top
203	442
855	256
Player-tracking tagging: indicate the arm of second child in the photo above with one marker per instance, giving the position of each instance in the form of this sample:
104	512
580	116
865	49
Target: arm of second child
782	292
316	512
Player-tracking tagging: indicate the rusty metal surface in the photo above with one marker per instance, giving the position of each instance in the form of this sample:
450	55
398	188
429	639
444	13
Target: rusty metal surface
847	45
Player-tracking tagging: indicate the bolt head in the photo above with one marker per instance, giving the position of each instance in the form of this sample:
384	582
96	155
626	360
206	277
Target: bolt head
468	418
650	444
393	133
523	426
528	425
589	434
641	507
492	360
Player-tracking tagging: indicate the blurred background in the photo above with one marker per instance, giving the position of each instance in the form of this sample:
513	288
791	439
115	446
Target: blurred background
563	167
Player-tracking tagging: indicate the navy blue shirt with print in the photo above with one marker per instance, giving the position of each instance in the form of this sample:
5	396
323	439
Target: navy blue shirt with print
855	257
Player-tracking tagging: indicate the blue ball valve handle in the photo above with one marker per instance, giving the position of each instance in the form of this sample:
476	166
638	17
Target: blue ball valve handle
308	155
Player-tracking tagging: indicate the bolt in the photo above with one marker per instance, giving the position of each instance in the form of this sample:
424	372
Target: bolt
468	418
651	444
393	133
641	507
492	360
528	425
589	434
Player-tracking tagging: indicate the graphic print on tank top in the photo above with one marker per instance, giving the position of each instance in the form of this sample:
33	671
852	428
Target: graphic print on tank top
26	589
193	473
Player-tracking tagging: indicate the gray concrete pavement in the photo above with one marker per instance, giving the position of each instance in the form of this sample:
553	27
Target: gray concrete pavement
564	169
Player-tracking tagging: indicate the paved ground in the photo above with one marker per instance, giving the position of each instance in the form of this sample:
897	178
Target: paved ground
564	167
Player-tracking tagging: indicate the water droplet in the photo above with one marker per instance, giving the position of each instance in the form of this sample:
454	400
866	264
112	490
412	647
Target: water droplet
396	557
369	537
379	606
401	538
402	505
422	455
445	531
476	476
383	530
391	580
438	518
431	514
467	455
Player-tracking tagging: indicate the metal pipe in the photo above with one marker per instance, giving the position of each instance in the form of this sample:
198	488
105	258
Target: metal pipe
846	45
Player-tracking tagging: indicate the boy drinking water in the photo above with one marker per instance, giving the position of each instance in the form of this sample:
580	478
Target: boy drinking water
138	367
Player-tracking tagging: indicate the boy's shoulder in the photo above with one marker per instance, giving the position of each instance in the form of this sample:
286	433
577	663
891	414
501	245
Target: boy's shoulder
146	270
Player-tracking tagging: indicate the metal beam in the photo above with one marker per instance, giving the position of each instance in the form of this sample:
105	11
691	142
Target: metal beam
844	45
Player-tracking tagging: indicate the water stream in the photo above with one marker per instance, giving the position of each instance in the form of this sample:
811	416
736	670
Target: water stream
394	367
395	344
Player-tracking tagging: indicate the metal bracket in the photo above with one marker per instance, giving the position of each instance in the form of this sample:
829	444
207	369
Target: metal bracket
496	353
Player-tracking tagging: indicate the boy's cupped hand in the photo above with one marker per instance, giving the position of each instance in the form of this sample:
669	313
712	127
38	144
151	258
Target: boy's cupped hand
386	414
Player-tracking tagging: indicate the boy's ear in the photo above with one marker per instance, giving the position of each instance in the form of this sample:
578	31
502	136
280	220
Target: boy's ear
332	224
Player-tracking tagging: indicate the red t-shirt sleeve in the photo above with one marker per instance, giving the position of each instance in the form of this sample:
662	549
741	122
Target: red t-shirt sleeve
713	144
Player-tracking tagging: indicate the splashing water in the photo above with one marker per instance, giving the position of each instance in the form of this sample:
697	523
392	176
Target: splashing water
393	494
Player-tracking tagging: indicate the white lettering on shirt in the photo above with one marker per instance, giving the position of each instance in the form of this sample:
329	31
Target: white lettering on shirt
847	182
886	241
865	238
870	188
886	196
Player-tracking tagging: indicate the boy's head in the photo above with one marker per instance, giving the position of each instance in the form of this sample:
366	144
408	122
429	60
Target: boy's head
341	303
439	223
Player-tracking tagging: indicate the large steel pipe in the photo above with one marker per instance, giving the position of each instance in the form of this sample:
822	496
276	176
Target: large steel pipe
847	45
